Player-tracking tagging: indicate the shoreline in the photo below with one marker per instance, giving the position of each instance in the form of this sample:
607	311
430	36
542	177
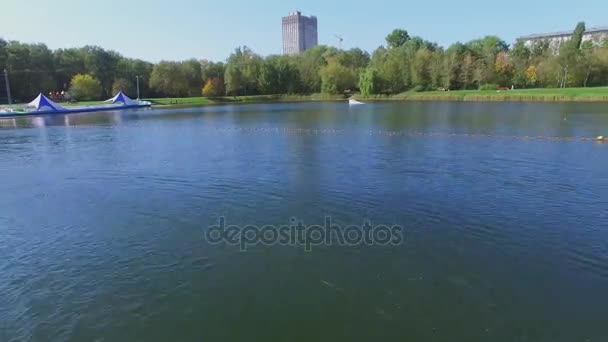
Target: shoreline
492	96
524	95
589	95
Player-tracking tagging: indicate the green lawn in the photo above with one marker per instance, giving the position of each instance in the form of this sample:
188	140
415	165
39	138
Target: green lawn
200	101
548	94
543	94
185	101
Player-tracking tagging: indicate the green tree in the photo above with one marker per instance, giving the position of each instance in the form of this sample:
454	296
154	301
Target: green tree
480	73
234	79
592	65
336	78
453	58
394	68
397	38
466	70
485	51
370	82
85	88
128	70
395	71
220	87
487	46
31	68
279	75
549	72
354	58
309	65
421	69
377	62
170	79
142	69
68	62
577	36
191	70
102	64
3	54
123	85
601	60
211	70
569	53
436	69
520	58
504	69
243	72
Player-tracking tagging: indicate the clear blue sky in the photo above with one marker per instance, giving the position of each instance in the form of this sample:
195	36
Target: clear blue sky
179	29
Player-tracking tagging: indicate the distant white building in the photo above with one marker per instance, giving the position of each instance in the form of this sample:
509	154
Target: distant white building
595	34
299	33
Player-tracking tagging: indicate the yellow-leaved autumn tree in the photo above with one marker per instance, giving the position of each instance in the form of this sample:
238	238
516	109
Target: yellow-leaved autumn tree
214	87
84	87
531	76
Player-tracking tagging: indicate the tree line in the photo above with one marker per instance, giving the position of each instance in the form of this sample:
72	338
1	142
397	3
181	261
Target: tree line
404	63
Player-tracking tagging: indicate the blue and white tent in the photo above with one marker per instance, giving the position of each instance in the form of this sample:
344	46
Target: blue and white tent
43	103
120	97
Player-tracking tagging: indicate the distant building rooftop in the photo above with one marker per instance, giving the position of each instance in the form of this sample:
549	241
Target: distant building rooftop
298	13
563	33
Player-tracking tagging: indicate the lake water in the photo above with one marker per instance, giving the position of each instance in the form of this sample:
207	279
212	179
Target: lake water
504	210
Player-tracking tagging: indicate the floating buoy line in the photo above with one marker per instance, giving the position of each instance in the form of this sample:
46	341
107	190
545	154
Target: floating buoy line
389	133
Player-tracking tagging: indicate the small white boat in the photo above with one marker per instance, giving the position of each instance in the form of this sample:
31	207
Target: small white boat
353	102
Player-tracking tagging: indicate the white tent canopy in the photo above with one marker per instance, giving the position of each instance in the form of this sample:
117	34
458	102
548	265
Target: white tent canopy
42	102
120	97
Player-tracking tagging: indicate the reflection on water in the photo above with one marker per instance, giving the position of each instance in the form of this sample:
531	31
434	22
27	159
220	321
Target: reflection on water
549	119
115	118
504	209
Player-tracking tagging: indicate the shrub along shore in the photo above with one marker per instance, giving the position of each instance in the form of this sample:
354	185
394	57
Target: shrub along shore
599	94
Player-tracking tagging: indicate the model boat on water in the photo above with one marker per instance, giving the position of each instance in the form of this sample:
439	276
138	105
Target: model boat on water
354	102
42	105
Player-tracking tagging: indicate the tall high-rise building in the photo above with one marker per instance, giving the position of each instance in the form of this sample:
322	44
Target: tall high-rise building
299	33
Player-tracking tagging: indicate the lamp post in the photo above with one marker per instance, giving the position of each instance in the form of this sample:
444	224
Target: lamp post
8	87
138	77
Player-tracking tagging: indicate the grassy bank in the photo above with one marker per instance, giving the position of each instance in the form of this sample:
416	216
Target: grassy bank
201	101
531	95
542	95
